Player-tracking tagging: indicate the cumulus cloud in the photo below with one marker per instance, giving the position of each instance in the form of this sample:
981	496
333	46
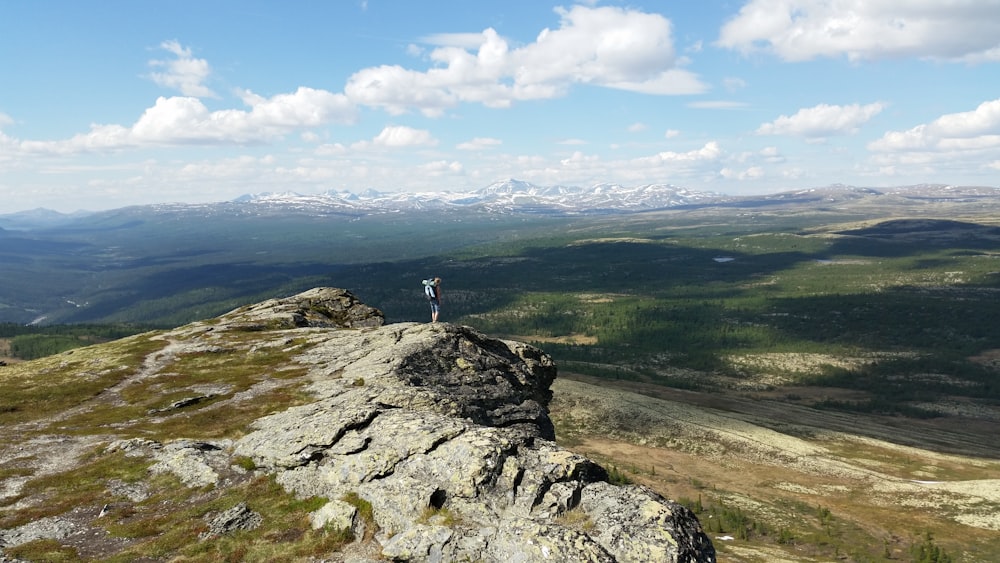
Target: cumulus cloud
709	152
798	30
398	136
184	73
186	120
971	130
956	143
603	46
822	121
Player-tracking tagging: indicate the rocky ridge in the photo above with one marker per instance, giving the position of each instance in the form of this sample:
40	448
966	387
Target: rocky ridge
423	442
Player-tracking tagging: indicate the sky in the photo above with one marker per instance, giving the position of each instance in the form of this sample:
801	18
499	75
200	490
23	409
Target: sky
111	103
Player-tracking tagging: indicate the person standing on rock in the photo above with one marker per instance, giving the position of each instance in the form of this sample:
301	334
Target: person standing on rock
432	289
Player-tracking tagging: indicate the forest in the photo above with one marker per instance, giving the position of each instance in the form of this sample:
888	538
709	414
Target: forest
662	301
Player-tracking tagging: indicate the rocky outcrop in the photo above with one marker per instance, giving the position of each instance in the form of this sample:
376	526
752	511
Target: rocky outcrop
441	433
318	307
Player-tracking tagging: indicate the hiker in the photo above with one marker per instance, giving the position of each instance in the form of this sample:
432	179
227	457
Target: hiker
432	289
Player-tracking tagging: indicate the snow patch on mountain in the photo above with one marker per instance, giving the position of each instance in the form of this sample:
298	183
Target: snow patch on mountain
505	196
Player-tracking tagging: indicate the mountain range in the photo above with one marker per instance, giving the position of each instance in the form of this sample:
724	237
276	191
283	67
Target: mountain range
513	196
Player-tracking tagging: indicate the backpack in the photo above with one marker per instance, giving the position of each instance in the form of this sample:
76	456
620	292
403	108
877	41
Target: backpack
429	290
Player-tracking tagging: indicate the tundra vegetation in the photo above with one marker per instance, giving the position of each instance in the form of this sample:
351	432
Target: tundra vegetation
815	386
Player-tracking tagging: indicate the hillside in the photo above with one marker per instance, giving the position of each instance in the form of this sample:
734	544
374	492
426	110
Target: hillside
304	429
777	482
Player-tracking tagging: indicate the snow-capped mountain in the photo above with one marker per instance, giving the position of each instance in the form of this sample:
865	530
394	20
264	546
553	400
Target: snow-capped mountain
516	196
507	196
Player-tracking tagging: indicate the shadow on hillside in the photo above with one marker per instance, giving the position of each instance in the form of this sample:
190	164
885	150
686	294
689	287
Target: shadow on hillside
172	296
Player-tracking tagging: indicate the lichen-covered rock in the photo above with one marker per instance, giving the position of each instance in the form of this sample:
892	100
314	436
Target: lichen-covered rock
239	517
445	432
635	524
318	307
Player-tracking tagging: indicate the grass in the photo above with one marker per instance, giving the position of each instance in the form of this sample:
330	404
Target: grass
84	485
438	517
172	525
43	550
41	388
143	408
855	499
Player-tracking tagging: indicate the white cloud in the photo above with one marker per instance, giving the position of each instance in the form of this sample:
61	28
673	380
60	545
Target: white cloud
637	127
398	136
971	130
236	167
186	120
603	46
185	73
822	121
771	155
479	143
798	30
751	173
953	144
330	149
671	133
442	168
710	152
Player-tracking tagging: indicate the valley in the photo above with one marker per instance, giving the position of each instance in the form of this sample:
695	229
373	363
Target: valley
813	372
808	485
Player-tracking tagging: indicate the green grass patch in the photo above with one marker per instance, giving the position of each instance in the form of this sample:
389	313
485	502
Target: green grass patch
41	388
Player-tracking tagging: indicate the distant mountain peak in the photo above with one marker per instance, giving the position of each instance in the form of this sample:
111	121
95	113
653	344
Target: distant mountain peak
503	196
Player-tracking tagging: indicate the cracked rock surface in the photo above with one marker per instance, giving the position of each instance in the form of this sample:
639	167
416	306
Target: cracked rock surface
444	431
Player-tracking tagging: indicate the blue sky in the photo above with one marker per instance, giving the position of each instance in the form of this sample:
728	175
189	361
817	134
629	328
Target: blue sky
111	103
